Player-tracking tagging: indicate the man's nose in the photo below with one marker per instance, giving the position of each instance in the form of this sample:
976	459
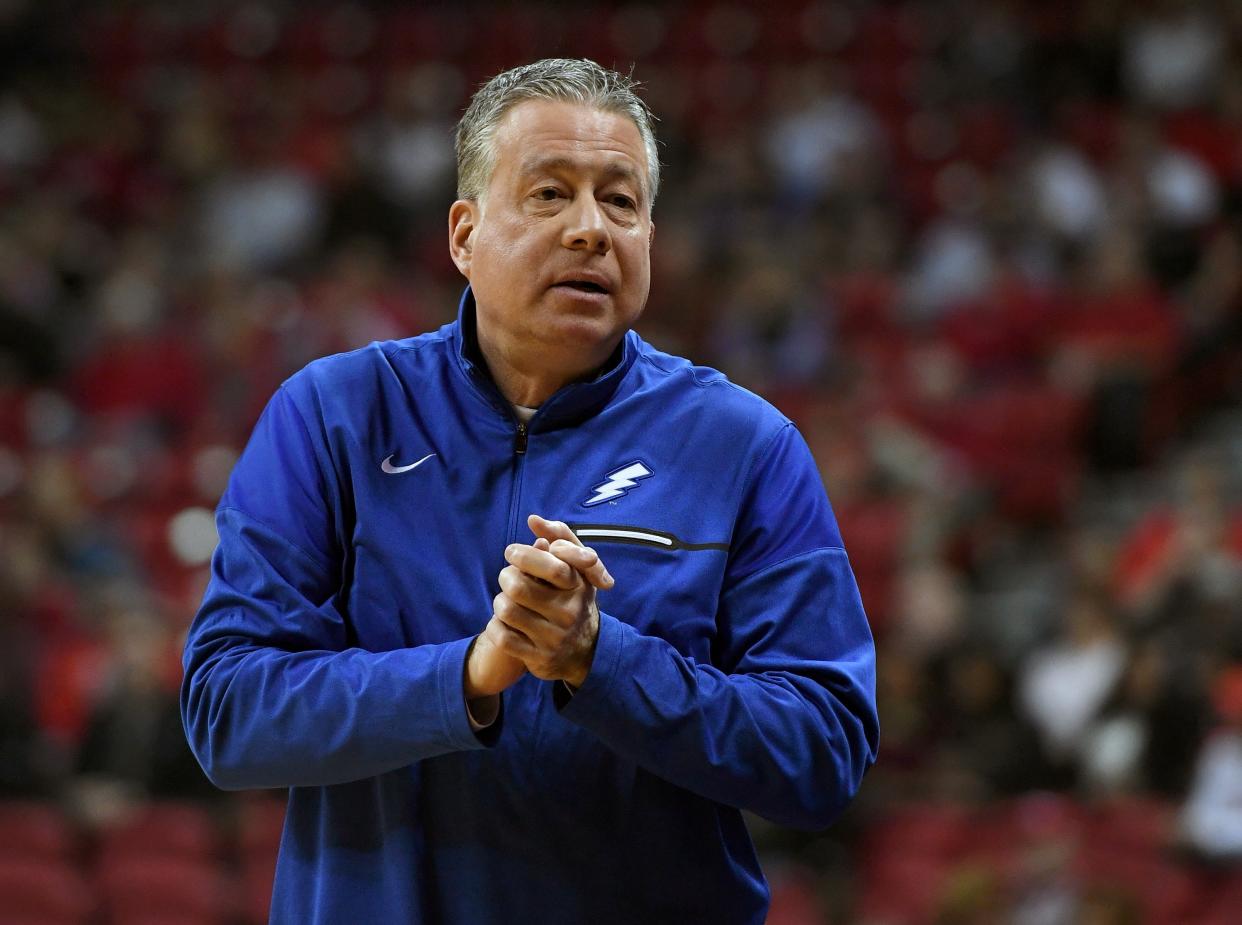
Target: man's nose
585	227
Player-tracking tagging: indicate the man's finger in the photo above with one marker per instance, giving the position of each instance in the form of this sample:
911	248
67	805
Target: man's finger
540	564
524	589
551	530
549	603
590	566
585	560
533	627
508	640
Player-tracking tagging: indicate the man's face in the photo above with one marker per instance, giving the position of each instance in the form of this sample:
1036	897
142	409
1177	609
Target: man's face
558	252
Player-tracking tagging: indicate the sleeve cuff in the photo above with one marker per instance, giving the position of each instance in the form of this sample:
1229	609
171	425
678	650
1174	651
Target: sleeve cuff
484	712
457	727
594	692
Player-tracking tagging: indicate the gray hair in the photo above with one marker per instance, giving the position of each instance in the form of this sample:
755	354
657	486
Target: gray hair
564	79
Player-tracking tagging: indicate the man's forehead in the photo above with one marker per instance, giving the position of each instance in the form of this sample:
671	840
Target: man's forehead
544	162
553	135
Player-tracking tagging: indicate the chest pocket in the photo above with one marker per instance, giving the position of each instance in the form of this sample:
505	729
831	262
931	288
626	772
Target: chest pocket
665	586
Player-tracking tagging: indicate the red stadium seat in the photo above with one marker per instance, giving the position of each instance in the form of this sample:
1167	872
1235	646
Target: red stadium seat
262	822
902	889
1227	899
1166	893
915	843
162	830
1130	825
178	918
143	891
42	892
934	828
35	832
257	876
794	899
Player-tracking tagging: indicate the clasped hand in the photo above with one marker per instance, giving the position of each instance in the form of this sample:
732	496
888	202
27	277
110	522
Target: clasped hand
544	619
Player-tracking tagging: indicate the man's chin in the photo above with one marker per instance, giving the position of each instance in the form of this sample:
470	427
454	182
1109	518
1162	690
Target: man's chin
579	330
581	299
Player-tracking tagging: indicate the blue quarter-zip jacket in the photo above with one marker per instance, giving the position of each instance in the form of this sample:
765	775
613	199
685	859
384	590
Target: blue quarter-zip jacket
734	667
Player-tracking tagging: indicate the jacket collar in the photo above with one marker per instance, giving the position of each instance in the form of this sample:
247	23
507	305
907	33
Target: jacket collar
569	405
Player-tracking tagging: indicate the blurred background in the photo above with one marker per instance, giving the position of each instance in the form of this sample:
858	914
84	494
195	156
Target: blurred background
988	255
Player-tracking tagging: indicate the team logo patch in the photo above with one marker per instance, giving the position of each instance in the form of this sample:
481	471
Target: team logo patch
619	483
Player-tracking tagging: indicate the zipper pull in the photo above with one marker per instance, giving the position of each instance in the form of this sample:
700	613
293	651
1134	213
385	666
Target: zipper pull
519	444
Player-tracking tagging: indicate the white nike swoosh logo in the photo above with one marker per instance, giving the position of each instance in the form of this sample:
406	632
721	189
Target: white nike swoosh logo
388	467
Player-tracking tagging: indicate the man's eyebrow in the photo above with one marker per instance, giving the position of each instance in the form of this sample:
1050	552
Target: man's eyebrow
557	162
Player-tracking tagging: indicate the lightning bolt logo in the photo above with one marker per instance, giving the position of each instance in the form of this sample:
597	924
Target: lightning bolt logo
619	482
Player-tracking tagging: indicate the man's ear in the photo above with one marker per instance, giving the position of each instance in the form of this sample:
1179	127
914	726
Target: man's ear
463	219
650	235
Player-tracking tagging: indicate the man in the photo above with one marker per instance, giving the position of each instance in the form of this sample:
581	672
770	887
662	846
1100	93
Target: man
582	755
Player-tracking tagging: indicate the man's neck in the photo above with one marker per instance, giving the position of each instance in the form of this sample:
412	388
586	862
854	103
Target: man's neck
530	381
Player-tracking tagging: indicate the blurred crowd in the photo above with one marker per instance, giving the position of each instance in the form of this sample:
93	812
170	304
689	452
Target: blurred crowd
988	255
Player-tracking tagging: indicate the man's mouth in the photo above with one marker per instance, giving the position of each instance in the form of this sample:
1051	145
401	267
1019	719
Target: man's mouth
581	285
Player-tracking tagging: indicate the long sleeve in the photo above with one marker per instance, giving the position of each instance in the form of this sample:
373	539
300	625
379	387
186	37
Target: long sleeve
783	722
272	694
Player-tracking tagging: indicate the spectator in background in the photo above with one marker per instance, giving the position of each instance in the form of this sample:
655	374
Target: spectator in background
1181	557
1212	816
986	746
134	747
1173	54
820	128
411	141
264	212
1145	736
1044	889
24	765
1064	684
767	332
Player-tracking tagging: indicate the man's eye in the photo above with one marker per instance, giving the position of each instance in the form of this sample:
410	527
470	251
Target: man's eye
547	194
624	202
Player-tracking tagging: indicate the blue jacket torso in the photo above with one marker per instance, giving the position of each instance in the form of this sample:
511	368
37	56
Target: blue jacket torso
734	667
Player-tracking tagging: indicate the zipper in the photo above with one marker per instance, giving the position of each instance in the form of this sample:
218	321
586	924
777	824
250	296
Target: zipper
519	458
